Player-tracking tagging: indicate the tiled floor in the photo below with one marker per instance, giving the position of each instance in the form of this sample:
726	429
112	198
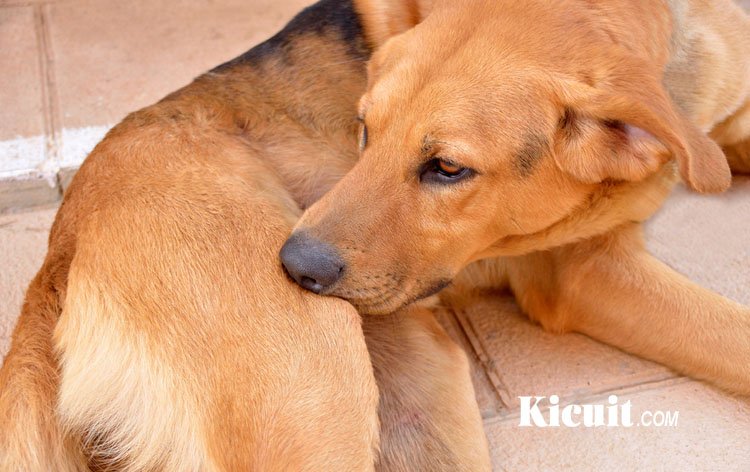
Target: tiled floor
78	66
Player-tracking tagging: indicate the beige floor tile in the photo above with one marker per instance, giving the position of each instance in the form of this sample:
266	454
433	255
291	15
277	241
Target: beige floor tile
21	113
116	56
707	238
20	194
711	434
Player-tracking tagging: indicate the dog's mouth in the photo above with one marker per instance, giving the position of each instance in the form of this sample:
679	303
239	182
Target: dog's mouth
322	268
389	297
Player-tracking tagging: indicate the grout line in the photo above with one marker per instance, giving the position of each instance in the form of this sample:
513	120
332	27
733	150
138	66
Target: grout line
470	350
49	94
24	3
488	366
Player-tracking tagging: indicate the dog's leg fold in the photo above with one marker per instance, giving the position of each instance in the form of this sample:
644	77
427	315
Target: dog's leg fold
738	156
429	416
611	289
31	438
733	135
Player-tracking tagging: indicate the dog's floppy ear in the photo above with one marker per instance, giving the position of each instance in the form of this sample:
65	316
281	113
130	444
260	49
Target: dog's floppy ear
383	19
626	127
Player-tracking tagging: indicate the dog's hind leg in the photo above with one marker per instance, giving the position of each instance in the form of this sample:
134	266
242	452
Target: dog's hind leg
611	289
31	438
429	417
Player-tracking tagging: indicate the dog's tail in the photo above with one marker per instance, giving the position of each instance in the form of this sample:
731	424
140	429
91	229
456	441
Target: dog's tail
31	438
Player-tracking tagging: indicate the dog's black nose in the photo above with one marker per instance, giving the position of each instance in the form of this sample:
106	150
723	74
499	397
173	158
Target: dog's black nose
313	264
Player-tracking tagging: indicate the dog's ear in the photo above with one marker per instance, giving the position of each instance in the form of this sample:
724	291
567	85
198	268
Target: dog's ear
625	128
383	19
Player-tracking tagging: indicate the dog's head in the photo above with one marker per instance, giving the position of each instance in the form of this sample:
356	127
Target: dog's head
489	128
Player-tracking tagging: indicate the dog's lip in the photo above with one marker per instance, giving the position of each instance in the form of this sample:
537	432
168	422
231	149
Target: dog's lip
378	303
394	300
378	308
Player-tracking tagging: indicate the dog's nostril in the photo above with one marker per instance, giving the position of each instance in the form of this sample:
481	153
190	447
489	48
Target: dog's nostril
310	284
313	264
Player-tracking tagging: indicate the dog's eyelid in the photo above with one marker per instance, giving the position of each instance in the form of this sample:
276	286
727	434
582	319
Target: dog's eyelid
363	135
448	161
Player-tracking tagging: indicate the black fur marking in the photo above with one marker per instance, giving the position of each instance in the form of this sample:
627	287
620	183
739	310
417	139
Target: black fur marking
567	120
532	151
324	17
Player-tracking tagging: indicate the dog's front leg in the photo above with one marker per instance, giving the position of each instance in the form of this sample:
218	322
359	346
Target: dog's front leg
611	289
429	417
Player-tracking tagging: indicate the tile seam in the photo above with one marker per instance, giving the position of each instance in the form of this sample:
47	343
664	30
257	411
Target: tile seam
50	103
501	390
471	352
24	3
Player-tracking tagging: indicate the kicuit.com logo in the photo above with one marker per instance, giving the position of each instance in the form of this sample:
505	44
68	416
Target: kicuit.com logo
574	415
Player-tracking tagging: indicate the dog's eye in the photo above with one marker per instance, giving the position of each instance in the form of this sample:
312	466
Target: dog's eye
448	169
362	134
444	172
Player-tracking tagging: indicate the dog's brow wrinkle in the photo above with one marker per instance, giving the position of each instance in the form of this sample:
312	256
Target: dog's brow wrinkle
426	145
530	153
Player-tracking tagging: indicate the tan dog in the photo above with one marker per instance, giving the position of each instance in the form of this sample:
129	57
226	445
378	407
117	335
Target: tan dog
542	133
161	332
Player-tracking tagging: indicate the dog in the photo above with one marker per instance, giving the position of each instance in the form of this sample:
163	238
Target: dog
161	332
522	145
